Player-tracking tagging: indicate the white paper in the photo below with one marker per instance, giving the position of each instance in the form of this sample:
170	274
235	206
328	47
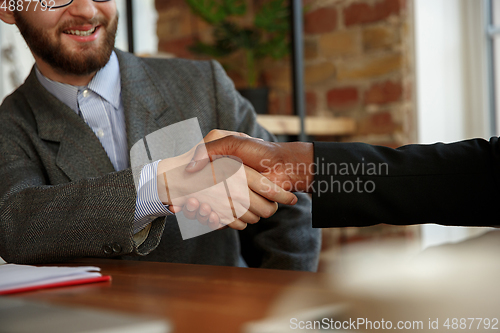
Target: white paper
21	276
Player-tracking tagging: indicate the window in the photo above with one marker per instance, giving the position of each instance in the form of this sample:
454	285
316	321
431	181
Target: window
492	15
452	82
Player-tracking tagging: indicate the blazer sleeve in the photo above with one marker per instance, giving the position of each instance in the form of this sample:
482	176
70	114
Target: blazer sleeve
39	222
358	184
286	240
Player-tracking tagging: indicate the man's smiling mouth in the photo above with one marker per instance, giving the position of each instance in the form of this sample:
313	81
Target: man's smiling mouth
80	32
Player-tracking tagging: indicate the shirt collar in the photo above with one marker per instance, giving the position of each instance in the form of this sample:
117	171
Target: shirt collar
106	83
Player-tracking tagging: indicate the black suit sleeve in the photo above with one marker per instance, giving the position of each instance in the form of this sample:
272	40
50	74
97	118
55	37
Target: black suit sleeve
357	184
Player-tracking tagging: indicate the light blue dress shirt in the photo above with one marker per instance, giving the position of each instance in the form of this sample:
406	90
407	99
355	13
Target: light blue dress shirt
99	104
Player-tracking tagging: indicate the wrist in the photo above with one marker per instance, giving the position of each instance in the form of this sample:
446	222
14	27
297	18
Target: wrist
169	171
302	154
162	184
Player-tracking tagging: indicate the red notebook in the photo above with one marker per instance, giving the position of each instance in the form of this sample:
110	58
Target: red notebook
23	278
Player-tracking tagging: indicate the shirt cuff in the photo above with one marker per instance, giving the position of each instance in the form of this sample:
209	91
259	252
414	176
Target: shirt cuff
148	205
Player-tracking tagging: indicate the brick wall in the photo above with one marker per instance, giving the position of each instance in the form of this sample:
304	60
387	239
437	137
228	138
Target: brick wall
358	63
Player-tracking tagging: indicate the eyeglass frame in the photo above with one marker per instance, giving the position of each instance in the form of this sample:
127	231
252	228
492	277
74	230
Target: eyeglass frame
44	3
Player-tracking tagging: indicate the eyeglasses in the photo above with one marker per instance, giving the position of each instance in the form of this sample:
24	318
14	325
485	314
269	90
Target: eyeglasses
54	4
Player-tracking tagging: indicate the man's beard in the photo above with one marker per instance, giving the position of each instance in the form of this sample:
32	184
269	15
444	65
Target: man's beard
55	54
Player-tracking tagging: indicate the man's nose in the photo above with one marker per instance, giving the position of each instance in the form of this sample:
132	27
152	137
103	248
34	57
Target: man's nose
85	9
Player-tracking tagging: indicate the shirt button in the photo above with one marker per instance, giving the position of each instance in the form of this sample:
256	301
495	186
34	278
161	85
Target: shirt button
86	93
100	133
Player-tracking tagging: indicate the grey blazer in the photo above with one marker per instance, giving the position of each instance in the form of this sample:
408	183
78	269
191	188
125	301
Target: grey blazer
60	197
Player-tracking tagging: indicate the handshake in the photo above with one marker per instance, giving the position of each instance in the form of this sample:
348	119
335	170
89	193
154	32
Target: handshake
231	179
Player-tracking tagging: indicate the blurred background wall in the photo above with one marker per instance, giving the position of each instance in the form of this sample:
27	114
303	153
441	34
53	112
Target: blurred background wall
359	62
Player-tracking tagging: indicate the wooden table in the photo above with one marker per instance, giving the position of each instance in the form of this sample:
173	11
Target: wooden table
451	281
194	298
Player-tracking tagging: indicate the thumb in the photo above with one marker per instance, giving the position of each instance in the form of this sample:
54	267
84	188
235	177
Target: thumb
204	153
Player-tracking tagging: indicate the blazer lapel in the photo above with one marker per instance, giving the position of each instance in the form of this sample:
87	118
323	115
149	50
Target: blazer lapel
80	154
147	109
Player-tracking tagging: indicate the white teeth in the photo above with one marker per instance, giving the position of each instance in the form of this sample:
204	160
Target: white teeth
80	33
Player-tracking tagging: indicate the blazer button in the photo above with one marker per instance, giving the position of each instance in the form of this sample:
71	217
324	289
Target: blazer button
107	249
116	248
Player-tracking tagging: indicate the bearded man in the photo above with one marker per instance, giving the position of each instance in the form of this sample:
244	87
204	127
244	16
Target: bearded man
67	187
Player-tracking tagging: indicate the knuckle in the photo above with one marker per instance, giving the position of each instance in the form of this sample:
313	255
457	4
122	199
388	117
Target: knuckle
273	209
269	211
272	192
253	219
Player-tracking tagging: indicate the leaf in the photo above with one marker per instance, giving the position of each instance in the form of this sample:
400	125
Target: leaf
216	11
235	7
209	10
214	51
274	16
276	48
233	36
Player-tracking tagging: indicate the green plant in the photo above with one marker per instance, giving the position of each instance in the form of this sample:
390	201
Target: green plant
267	37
